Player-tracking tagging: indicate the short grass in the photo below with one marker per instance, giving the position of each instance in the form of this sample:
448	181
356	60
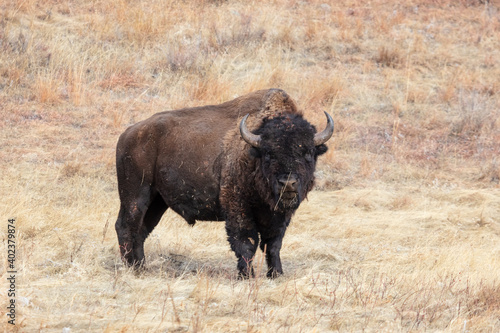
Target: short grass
401	234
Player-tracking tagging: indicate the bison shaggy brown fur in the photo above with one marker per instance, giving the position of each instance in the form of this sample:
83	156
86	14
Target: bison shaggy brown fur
249	161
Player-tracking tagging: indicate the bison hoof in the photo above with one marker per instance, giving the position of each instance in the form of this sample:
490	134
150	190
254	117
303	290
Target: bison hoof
134	264
273	274
245	275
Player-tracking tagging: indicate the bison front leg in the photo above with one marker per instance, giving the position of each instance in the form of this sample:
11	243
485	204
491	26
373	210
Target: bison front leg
272	247
244	243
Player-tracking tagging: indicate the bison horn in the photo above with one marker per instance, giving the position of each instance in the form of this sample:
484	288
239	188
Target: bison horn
249	137
320	138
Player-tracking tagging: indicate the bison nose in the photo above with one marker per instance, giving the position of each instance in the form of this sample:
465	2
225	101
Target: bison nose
288	182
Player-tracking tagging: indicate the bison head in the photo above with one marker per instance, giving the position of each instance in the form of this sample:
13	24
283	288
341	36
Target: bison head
287	148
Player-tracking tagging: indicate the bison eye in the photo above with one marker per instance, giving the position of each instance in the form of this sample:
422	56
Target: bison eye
308	157
267	157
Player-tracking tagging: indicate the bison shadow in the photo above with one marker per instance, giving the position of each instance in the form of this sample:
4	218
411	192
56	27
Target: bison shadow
175	265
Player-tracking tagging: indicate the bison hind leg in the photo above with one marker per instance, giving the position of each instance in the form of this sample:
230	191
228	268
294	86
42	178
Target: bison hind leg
125	237
135	222
154	213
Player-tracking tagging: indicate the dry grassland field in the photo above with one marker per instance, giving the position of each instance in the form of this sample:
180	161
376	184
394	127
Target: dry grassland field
400	234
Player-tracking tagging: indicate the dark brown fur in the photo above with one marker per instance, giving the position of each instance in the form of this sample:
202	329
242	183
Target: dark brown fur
194	161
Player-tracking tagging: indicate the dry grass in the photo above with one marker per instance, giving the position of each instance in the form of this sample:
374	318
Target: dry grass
403	235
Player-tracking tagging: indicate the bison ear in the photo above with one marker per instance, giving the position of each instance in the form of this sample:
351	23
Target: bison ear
321	149
254	152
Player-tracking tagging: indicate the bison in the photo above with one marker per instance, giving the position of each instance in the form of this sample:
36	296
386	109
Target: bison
200	163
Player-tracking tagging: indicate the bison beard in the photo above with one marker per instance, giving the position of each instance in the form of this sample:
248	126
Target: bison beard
253	179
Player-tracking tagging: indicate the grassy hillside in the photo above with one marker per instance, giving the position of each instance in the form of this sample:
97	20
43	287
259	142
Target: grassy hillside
401	234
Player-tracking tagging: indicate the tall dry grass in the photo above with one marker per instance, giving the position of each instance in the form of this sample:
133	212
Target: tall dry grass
403	234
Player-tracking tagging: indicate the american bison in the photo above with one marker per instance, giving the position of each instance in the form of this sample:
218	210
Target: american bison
205	167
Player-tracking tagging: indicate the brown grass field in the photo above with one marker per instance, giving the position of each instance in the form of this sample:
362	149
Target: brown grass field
401	234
